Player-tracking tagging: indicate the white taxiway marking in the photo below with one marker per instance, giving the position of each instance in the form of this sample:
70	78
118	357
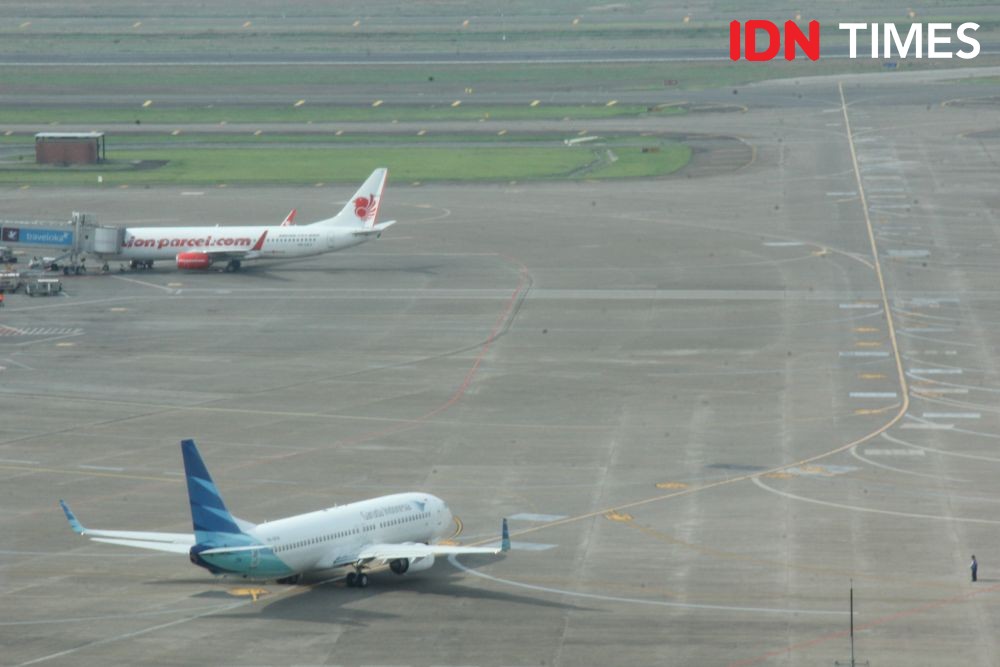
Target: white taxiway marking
940	451
523	546
544	518
655	603
951	415
871	510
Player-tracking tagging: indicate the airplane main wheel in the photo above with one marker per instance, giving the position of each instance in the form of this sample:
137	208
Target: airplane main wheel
351	578
361	581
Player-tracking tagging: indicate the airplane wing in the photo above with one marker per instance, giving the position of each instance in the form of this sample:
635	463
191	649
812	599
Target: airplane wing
376	230
172	542
229	253
412	550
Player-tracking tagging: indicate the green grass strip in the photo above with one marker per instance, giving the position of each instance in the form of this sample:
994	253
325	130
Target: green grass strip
306	166
317	114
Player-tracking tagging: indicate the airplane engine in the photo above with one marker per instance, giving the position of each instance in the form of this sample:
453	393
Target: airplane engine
193	261
404	565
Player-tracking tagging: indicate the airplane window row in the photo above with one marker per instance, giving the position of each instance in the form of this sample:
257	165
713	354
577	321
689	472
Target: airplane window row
317	540
352	531
405	519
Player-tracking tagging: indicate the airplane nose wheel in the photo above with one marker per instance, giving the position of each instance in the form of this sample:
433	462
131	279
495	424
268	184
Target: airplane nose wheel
356	580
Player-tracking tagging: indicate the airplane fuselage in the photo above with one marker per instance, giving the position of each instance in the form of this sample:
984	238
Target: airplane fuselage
165	243
328	538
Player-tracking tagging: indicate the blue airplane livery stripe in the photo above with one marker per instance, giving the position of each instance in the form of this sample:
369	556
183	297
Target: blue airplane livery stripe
208	511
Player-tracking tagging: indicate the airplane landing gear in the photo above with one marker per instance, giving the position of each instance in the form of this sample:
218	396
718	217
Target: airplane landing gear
356	580
234	265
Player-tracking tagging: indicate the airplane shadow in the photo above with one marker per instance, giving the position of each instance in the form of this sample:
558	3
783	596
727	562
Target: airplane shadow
318	597
268	273
318	601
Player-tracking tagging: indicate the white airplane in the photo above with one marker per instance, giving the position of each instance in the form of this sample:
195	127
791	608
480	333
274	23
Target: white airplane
402	531
201	247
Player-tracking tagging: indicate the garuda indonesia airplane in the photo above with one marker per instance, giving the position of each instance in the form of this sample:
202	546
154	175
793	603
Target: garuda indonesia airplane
401	530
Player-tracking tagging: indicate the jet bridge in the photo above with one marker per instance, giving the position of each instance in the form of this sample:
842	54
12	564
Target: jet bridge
68	242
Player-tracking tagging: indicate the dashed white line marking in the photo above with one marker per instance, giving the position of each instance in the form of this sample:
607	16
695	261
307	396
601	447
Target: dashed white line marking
872	394
951	415
919	301
655	603
544	518
40	331
872	510
523	546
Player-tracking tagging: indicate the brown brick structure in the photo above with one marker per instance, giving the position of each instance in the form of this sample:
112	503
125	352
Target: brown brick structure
69	147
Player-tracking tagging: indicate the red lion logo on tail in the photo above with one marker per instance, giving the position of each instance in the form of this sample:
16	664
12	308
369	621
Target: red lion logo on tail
364	207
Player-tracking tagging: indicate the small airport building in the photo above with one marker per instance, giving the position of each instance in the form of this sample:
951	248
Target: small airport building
69	148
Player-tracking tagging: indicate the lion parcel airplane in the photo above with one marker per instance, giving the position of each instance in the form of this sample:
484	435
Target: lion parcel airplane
201	247
401	531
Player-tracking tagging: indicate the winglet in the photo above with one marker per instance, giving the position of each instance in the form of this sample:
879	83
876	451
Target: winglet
289	219
73	522
504	537
260	242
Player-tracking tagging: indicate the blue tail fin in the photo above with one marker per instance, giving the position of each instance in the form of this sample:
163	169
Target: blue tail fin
208	512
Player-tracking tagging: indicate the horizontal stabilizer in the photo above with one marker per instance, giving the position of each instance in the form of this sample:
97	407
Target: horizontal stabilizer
234	550
171	547
376	230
